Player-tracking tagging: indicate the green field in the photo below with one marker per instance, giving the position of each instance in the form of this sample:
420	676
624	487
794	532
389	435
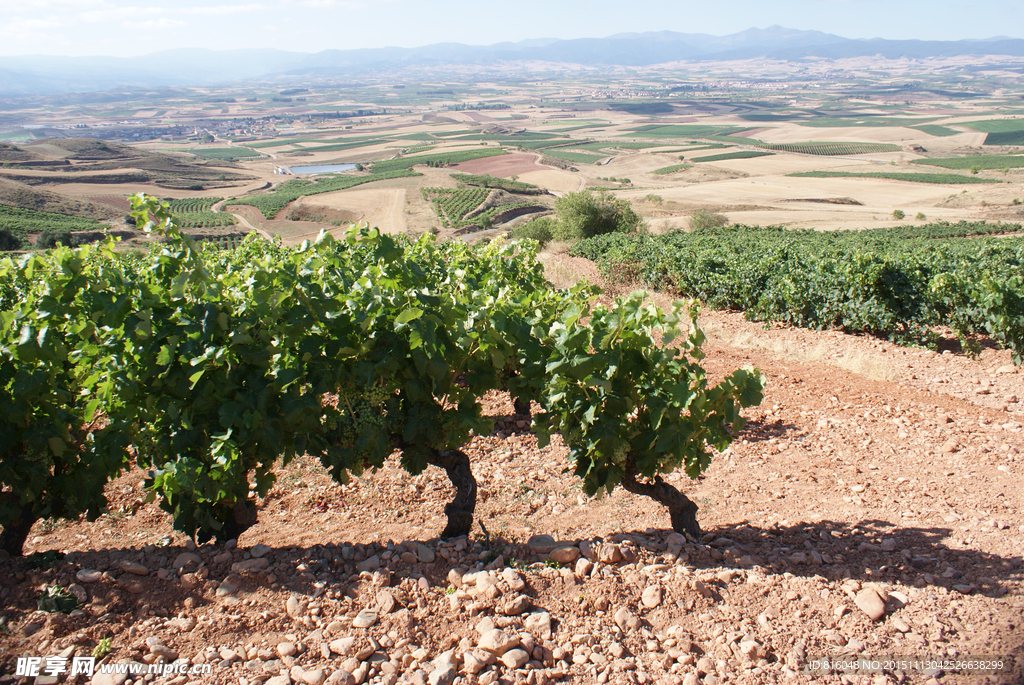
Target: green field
862	121
831	149
440	159
272	203
575	157
196	212
897	176
337	147
682	131
23	221
505	184
936	130
996	125
739	154
979	161
451	205
671	169
1005	138
228	154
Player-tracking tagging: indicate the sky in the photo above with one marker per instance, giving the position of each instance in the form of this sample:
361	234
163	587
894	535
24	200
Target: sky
126	28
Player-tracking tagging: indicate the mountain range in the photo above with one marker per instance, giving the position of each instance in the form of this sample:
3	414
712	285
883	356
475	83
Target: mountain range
40	74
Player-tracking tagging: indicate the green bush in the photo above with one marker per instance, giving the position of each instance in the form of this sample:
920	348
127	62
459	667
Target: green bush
920	216
898	214
702	220
9	241
50	238
585	215
542	230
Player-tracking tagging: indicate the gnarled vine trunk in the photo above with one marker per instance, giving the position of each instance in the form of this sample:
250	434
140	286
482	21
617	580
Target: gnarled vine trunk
12	539
243	517
681	509
522	408
460	510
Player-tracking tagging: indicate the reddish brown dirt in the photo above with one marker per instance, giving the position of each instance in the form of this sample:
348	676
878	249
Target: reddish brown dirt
502	165
908	485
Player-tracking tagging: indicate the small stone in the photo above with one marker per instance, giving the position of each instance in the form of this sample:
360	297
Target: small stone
949	447
472	664
386	602
651	596
294	608
88	575
286	649
539	624
442	675
610	554
279	680
186	559
250	565
341	677
899	624
314	676
515	658
583	567
222	558
674	544
626	620
565	554
364	619
751	649
1006	368
259	551
964	589
134	568
870	603
518	605
369	565
423	553
541	544
343	645
229	585
497	642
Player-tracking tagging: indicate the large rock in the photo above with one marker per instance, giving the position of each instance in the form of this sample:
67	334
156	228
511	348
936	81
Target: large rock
442	675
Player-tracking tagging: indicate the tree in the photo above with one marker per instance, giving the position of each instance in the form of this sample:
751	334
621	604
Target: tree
50	237
584	215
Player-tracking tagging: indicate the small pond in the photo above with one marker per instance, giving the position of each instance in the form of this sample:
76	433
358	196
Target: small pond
322	168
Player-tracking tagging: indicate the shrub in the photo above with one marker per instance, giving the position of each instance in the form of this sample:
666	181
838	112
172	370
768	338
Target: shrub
898	214
9	241
920	216
50	238
584	215
975	169
542	230
702	220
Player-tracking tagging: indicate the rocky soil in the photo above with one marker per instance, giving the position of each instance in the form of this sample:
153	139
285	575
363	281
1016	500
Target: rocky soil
872	507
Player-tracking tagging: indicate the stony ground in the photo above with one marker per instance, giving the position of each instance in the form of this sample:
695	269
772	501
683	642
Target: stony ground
872	507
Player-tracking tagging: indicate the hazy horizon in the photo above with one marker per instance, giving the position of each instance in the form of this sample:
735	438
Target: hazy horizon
121	28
